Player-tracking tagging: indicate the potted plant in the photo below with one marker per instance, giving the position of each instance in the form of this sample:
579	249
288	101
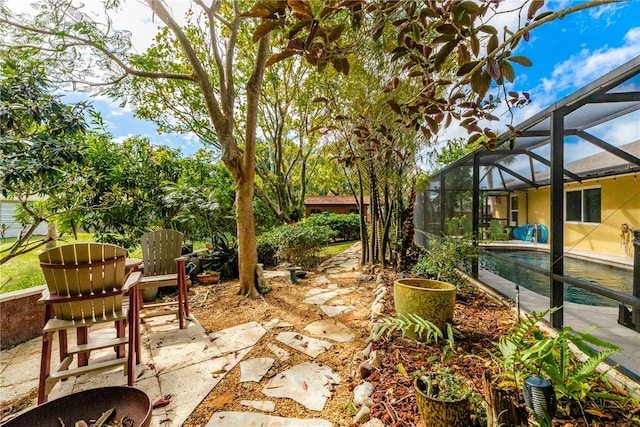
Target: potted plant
208	277
432	296
429	299
443	398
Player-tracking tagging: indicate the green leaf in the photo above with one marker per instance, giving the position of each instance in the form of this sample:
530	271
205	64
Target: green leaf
543	15
279	57
471	7
534	6
443	53
522	60
507	71
493	43
488	29
264	29
400	368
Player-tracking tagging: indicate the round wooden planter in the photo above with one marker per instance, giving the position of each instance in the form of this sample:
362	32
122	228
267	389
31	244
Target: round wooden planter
440	413
208	279
430	299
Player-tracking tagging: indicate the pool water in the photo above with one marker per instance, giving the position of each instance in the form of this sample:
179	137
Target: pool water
608	276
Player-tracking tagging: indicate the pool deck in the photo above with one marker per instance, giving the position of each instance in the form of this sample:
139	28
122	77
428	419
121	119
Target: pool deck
578	316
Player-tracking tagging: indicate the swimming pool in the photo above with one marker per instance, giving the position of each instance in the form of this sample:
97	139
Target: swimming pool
608	276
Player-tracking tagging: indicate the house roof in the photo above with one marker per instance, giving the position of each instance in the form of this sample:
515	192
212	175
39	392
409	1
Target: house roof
333	200
599	164
600	114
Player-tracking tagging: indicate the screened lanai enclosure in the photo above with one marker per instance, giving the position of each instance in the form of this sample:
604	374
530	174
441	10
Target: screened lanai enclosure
564	186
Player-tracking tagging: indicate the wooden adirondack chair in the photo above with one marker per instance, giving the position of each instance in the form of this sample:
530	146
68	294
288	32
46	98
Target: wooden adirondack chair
163	265
86	285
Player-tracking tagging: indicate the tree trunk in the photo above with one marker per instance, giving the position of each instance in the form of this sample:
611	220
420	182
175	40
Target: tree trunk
502	406
52	234
407	231
247	252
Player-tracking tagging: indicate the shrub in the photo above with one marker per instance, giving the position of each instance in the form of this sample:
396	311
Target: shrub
346	225
443	259
298	244
267	245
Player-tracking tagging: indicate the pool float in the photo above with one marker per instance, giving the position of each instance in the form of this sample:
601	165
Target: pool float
526	233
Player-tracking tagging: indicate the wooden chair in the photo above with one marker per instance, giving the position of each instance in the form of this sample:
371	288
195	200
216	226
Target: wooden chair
498	231
86	285
163	265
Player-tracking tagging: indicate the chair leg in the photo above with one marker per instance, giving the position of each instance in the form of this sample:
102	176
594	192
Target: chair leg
181	298
138	305
186	299
82	334
134	316
45	365
120	326
64	346
132	328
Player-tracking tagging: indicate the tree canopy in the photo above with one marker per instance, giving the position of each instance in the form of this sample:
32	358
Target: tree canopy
42	155
444	62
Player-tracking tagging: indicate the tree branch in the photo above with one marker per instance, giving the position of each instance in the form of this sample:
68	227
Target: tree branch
110	55
200	74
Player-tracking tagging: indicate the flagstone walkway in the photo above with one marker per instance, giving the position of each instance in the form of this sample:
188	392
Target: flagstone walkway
184	366
308	383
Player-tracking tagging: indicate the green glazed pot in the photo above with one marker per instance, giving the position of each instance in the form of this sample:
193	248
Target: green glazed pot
441	413
430	299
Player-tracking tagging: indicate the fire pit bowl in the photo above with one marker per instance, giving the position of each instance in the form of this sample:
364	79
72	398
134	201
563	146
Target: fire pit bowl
88	405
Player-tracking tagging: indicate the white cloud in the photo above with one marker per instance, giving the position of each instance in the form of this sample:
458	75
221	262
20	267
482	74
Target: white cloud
587	66
606	12
619	131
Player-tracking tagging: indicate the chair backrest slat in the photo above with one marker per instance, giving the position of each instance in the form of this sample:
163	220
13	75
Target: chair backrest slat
84	269
160	249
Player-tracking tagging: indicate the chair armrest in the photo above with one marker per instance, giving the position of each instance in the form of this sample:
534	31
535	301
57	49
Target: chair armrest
44	296
132	280
181	264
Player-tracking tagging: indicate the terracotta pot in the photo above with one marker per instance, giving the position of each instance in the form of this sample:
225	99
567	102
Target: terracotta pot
208	278
430	299
441	413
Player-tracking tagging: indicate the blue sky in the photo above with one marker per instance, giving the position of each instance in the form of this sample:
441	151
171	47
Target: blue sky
566	55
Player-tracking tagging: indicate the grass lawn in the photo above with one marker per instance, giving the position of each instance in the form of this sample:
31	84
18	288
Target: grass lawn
24	271
336	248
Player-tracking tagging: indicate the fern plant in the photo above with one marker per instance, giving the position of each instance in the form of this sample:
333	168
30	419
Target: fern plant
424	329
527	351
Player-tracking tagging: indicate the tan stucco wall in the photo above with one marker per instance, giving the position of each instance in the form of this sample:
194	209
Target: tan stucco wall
620	204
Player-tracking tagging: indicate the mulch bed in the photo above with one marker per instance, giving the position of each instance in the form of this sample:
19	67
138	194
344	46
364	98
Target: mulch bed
480	321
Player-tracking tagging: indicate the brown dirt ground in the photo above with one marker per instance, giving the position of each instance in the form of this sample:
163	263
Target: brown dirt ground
480	320
218	306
